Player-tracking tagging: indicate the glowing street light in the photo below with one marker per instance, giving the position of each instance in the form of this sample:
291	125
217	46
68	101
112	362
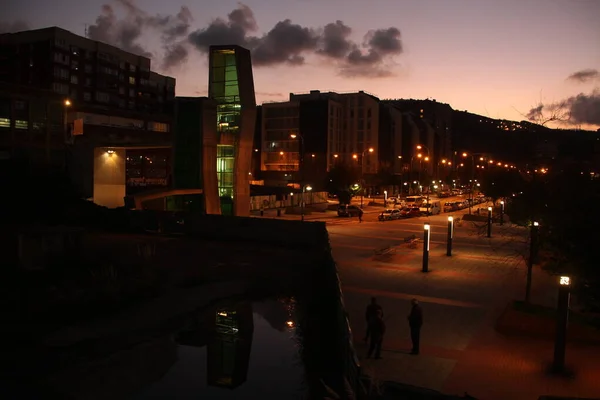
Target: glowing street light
562	321
426	236
489	224
450	236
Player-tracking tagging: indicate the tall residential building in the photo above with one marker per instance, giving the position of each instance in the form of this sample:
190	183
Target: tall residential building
231	87
390	139
331	128
32	126
112	94
353	128
438	116
296	137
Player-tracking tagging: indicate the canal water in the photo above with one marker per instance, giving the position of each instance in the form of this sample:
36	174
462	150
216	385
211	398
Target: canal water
235	350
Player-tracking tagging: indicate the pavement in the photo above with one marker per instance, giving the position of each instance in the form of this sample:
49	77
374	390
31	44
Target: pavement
462	296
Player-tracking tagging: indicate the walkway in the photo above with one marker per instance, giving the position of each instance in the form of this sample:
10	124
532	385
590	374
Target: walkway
461	297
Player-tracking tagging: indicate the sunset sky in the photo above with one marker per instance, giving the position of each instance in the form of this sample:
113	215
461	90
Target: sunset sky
498	58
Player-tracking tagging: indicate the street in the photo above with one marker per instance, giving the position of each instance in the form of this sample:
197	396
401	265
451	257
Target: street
461	296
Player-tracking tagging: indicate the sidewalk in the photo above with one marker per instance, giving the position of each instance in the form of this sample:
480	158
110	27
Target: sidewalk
462	297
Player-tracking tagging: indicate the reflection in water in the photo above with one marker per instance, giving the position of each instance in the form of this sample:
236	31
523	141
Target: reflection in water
232	352
229	346
279	314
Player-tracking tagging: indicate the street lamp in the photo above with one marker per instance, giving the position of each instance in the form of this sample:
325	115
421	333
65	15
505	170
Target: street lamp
562	321
300	156
362	172
464	154
305	188
450	236
489	224
502	212
426	236
533	238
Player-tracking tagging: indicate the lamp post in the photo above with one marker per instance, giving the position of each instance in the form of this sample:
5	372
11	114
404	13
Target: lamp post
305	188
562	322
533	237
472	175
489	223
426	236
502	212
450	236
362	172
300	156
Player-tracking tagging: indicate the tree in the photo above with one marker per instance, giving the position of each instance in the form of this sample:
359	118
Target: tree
499	183
343	181
567	235
385	175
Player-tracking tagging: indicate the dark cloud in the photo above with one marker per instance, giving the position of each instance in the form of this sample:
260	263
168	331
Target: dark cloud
285	43
13	26
126	32
576	110
585	75
175	54
585	109
240	22
335	40
289	43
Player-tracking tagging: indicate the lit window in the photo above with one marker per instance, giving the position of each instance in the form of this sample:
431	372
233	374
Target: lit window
21	124
4	123
132	80
160	127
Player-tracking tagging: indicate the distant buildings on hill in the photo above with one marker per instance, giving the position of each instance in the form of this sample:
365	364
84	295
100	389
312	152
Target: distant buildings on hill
65	101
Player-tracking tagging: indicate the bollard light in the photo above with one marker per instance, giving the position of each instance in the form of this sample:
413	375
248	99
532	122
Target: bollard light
501	212
565	281
426	236
562	321
450	236
489	223
533	235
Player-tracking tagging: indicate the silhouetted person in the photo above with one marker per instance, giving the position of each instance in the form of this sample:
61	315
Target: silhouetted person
371	313
415	321
360	214
376	331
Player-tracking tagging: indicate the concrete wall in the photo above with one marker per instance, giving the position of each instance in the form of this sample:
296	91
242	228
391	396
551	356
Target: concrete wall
243	161
109	177
209	158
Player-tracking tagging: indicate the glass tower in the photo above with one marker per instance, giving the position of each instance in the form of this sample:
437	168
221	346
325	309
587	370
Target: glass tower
225	90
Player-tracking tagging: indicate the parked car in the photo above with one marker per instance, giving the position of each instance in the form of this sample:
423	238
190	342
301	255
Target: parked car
349	211
389	215
432	208
409	212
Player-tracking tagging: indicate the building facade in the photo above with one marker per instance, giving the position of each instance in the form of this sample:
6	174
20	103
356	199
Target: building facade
390	139
195	151
231	87
112	94
32	126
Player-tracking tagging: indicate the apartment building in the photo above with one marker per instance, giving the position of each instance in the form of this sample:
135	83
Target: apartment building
113	95
299	139
32	125
353	127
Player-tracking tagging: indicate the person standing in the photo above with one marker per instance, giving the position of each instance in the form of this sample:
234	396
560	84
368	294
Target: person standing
371	313
376	331
415	322
360	214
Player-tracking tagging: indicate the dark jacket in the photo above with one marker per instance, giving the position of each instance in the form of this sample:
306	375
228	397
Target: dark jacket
372	311
415	318
377	328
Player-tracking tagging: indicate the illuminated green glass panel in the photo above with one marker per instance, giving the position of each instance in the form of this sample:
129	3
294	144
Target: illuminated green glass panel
225	168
